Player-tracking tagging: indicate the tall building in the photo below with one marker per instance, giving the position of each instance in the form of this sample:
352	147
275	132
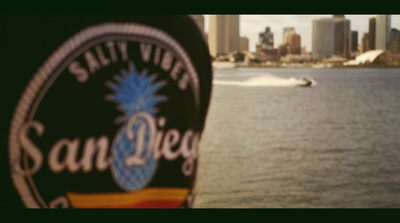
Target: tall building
284	49
323	38
371	33
265	50
395	41
364	43
265	40
293	39
233	32
338	16
354	41
342	36
383	28
286	31
244	44
223	36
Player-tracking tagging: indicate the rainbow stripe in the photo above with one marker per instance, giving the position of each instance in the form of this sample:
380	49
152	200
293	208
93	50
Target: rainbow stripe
147	198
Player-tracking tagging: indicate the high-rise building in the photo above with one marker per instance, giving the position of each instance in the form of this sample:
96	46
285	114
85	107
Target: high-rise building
364	43
383	28
323	38
233	32
286	31
265	40
354	41
338	16
342	36
223	36
371	33
293	39
244	44
395	42
284	49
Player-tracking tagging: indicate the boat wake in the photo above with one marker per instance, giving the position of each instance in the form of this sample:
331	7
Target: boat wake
265	81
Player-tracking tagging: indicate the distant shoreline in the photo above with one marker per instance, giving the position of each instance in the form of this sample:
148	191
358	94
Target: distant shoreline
311	66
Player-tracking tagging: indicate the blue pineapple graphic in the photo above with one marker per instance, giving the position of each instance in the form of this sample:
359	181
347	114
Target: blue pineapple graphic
134	93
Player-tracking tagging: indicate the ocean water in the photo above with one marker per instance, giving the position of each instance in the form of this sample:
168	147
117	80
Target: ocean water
271	144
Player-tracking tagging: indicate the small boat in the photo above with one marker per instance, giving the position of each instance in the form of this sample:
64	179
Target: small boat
305	83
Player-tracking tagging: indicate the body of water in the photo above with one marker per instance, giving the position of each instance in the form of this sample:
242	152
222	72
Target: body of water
271	144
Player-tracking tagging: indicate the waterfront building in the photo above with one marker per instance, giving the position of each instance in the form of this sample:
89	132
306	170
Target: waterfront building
378	57
267	55
364	43
295	43
265	40
293	39
284	49
323	38
354	41
354	46
286	31
371	33
265	50
223	36
295	58
395	42
244	43
338	16
342	36
383	28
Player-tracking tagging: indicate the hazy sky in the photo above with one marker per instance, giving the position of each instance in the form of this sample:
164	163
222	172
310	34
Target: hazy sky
252	25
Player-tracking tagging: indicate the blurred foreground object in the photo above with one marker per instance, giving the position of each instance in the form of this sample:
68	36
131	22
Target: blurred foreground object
102	111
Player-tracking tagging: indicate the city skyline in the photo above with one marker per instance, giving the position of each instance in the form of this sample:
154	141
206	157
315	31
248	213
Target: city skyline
252	25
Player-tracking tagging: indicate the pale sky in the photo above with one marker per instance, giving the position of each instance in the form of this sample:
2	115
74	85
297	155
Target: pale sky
252	25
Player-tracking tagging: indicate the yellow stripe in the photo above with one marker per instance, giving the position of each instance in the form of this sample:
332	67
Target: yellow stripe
129	198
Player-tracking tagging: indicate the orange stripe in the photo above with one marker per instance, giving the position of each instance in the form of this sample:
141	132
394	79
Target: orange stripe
147	204
129	199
